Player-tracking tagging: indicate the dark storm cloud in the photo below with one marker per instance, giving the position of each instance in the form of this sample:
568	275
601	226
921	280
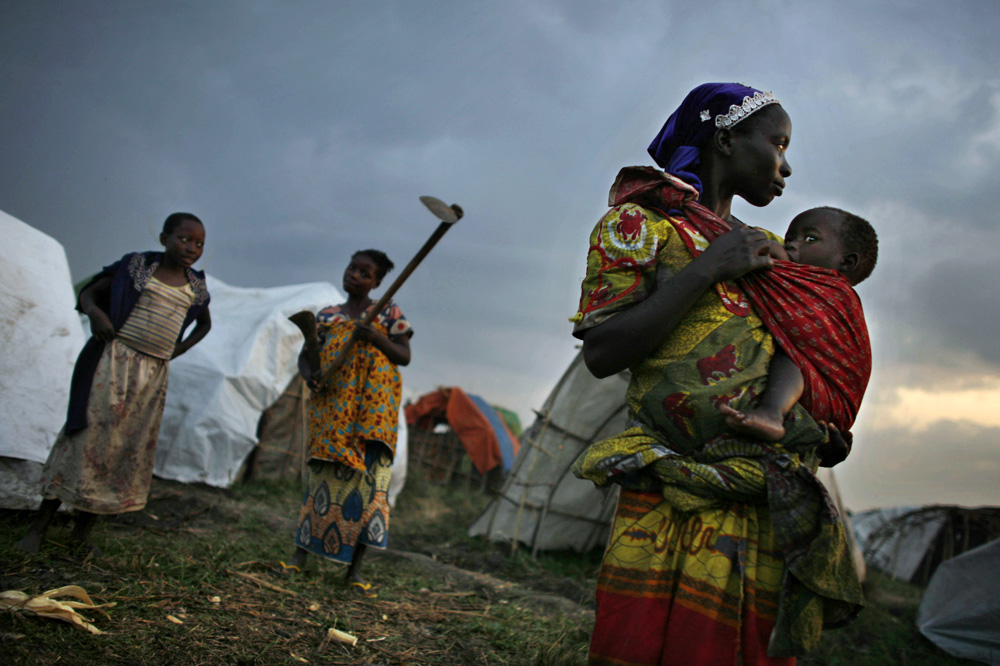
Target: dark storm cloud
948	463
941	302
302	131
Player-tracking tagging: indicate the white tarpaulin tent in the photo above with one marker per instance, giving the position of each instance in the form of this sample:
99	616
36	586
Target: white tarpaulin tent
896	540
40	337
219	389
543	505
910	542
960	610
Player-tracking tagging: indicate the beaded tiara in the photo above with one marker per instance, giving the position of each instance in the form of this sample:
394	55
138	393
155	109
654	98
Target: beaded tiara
738	112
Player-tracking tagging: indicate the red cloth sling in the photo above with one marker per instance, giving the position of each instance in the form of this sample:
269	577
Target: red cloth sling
813	313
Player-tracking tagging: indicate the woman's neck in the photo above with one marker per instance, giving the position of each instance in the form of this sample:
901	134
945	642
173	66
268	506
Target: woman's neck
720	205
356	305
714	196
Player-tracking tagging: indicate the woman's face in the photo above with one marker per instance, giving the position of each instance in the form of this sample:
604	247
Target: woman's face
361	275
758	165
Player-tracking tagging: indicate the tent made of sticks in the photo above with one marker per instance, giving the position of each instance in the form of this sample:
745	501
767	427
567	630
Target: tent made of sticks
909	543
543	505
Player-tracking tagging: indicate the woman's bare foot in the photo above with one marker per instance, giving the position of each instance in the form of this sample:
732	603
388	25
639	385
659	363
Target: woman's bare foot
764	424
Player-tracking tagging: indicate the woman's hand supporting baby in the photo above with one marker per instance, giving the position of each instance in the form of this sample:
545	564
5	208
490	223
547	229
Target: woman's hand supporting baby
632	335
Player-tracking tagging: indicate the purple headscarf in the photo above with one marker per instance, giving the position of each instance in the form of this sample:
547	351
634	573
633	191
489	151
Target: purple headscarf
677	148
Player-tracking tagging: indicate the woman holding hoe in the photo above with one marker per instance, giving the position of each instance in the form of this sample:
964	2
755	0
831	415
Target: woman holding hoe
352	424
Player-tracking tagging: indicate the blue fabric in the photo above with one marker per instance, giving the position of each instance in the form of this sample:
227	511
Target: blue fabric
677	148
503	438
123	297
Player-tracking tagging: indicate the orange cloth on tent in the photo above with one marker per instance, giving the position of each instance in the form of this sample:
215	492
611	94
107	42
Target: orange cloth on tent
472	428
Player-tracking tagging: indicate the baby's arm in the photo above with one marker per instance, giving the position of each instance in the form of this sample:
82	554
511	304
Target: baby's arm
100	323
766	421
777	251
203	324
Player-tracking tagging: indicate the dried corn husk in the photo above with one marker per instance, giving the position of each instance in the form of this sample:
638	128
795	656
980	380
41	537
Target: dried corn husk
45	605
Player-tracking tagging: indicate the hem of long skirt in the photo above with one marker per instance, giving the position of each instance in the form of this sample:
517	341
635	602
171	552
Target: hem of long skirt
74	501
337	558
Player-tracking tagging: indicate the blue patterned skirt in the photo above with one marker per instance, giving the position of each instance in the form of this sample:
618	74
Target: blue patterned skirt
344	507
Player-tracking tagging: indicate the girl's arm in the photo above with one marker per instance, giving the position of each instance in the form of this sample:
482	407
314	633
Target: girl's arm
203	324
100	323
396	348
632	335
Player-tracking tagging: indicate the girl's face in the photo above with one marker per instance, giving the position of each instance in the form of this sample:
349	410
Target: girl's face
758	167
183	246
361	276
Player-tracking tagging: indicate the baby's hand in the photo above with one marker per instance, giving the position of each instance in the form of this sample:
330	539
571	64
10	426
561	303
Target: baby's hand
837	449
778	251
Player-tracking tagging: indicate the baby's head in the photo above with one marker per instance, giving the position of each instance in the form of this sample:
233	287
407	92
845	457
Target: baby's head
833	238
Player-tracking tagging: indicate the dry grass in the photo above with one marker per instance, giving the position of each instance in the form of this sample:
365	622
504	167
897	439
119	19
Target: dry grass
192	581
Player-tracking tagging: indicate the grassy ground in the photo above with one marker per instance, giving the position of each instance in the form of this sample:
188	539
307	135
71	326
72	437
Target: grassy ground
192	581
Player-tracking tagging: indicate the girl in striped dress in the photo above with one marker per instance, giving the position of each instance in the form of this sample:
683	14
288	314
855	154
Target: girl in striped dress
139	308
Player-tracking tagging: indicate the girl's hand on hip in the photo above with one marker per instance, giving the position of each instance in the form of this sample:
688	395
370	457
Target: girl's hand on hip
736	253
100	326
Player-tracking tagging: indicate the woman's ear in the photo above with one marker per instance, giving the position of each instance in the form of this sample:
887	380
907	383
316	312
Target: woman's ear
163	239
722	140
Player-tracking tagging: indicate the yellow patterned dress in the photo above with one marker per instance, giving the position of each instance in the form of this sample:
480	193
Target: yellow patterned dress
352	440
709	524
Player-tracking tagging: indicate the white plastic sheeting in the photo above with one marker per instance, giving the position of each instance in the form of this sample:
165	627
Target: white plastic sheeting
896	540
220	387
960	610
40	337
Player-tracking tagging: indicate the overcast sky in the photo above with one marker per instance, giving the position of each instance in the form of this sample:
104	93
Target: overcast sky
300	131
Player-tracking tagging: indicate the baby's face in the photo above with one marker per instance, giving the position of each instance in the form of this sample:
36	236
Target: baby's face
814	237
